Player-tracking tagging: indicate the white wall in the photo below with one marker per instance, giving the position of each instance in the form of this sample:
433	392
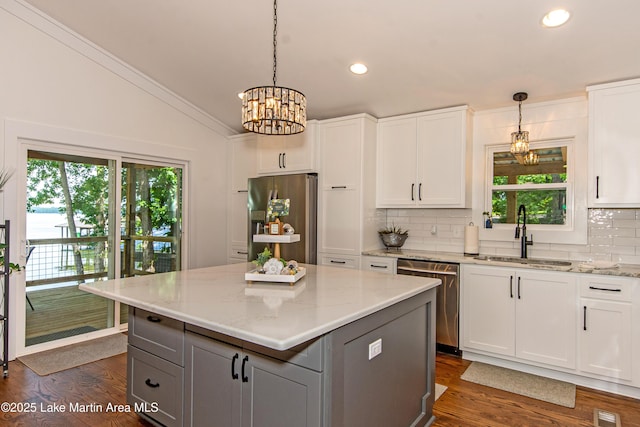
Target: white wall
56	87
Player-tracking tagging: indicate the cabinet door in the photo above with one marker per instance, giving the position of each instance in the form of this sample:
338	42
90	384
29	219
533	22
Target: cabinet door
242	161
605	338
280	394
340	220
614	146
270	150
441	154
239	219
213	383
279	154
488	309
340	157
396	159
545	317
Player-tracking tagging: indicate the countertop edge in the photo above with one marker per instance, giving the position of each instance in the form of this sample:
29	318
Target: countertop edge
623	270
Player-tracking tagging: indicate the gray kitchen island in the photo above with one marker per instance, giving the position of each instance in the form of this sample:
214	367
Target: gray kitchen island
337	348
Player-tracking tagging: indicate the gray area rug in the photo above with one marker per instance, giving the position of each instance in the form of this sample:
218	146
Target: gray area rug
70	356
545	389
439	390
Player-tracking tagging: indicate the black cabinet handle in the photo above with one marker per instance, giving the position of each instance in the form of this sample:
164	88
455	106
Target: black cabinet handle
584	317
280	160
336	187
333	261
413	186
420	191
518	287
510	286
597	187
154	319
150	384
595	288
378	266
234	374
284	160
244	362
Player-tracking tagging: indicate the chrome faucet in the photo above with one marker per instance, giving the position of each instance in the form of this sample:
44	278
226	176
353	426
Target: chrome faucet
524	242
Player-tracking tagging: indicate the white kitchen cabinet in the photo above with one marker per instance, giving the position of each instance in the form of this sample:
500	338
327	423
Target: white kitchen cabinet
614	144
346	205
522	313
605	336
380	264
283	154
423	160
242	157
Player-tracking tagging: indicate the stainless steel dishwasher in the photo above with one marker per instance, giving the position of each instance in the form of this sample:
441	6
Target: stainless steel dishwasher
448	296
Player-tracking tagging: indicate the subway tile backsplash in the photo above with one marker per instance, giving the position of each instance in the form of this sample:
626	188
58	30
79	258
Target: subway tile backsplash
613	235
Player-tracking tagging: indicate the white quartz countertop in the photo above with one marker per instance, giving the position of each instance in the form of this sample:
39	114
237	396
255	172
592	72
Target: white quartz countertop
278	316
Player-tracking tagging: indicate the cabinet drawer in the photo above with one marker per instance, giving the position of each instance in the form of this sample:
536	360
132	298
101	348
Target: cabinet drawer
155	387
157	334
343	261
379	264
607	287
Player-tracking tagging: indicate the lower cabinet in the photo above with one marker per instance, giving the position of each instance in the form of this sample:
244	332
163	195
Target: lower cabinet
605	336
155	373
522	313
230	386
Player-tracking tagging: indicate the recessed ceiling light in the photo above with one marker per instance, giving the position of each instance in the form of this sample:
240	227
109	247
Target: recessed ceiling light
555	18
358	68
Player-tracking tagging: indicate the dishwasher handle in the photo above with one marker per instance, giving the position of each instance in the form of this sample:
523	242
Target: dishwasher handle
422	270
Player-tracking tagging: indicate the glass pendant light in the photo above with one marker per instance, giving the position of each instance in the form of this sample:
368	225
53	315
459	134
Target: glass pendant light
274	110
519	139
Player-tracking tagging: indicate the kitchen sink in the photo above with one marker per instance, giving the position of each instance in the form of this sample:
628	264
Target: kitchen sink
534	261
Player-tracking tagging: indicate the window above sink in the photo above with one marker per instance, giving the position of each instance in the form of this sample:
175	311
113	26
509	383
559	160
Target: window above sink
544	187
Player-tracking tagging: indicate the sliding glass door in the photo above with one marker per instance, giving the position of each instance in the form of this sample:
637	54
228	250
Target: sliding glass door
88	219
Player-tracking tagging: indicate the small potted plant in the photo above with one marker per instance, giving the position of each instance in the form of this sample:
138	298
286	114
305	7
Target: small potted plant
393	237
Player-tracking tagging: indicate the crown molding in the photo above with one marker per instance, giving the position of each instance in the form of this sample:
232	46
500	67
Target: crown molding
95	53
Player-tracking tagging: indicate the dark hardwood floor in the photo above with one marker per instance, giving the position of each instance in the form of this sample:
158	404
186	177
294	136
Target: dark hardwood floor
469	404
463	404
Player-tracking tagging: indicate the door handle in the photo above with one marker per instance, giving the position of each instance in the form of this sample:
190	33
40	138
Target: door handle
420	191
154	319
234	374
280	160
244	362
584	317
150	384
518	287
413	186
597	187
284	160
510	286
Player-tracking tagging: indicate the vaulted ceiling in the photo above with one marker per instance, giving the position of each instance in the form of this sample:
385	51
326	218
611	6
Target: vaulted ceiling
421	54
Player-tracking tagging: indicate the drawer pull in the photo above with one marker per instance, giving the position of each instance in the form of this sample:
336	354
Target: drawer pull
378	266
595	288
154	319
333	261
338	187
150	384
245	378
234	374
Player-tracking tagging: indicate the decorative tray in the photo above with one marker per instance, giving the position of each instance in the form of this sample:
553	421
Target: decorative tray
254	276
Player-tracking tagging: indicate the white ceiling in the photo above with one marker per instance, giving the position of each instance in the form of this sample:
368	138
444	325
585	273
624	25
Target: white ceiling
421	54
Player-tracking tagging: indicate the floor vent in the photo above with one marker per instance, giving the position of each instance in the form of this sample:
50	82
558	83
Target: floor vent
605	418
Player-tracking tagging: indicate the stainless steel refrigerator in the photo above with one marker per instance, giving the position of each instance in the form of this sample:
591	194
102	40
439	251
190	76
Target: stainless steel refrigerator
302	191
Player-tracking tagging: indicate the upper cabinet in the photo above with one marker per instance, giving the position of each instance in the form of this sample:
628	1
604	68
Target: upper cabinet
614	144
283	154
346	215
423	160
